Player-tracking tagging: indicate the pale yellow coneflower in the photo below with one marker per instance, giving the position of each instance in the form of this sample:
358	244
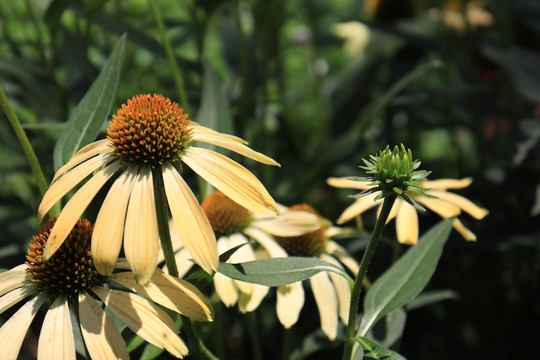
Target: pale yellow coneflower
69	280
147	142
446	204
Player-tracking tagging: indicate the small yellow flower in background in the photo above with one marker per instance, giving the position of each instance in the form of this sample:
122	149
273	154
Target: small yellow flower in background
461	17
446	204
147	142
356	36
235	225
69	280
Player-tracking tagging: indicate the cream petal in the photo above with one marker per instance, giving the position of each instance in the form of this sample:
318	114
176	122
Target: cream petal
393	212
199	129
347	183
144	319
183	262
441	207
466	233
109	228
407	224
358	206
343	289
101	337
338	251
327	302
12	279
462	203
290	223
444	184
141	238
231	178
193	226
250	302
225	289
56	339
170	292
61	187
266	241
13	331
87	152
290	300
75	207
14	296
243	254
231	143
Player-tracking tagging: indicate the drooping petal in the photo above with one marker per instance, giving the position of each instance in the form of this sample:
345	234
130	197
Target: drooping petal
266	241
231	143
14	296
441	207
75	207
87	152
466	233
101	337
339	252
144	319
141	238
444	184
290	223
12	279
170	292
109	228
393	211
290	300
225	286
193	226
327	302
202	129
407	224
358	206
343	289
61	187
231	178
56	339
250	302
347	183
13	331
462	203
243	254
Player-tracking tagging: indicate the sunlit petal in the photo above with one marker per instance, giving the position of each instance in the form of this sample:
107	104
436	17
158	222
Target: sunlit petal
327	302
75	207
347	183
192	224
56	339
444	184
243	254
338	251
466	233
358	206
101	337
12	279
443	208
109	228
199	129
13	331
407	224
141	239
14	296
462	203
87	152
290	223
290	300
234	180
266	241
225	286
343	289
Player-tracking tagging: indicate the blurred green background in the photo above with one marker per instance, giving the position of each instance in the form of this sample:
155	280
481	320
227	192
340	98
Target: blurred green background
318	85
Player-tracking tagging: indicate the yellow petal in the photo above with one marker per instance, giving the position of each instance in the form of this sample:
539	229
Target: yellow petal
101	337
407	224
56	339
443	208
109	228
12	279
141	238
170	292
87	152
290	300
13	331
14	296
347	183
144	319
243	254
326	299
461	202
339	252
225	289
290	223
266	241
250	302
443	184
358	207
231	178
67	182
466	233
343	289
75	207
393	211
199	129
193	226
232	143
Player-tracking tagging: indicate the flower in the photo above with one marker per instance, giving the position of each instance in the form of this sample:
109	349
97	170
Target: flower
70	280
445	203
356	36
461	17
235	225
147	142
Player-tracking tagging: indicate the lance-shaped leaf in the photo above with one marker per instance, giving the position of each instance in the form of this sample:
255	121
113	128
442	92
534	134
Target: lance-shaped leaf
406	278
278	271
377	352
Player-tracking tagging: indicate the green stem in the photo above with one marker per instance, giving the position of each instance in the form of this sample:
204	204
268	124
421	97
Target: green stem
366	259
194	339
25	143
177	75
253	332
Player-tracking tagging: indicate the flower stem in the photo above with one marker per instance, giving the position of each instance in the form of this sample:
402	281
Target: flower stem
366	259
194	339
176	73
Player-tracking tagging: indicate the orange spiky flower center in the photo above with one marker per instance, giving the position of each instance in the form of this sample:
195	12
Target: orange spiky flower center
70	270
311	244
225	215
149	130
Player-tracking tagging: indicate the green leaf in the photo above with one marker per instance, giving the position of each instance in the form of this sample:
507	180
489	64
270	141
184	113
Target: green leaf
375	351
87	118
430	297
151	352
278	271
406	278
